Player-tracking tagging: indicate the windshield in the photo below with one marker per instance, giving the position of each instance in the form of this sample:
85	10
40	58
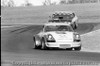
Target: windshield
58	28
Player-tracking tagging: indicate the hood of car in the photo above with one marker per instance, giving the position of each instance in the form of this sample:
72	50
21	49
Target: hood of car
61	35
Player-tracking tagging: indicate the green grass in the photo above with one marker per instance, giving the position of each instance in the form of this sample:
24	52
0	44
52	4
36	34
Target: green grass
39	14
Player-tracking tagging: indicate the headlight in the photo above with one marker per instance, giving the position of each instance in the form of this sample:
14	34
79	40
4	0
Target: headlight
77	37
50	38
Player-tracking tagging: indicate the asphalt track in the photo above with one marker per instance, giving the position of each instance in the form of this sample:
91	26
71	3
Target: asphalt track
17	45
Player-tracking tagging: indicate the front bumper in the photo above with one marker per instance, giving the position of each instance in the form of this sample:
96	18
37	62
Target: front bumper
63	44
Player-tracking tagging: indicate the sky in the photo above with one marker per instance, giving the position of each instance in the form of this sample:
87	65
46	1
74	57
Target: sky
34	2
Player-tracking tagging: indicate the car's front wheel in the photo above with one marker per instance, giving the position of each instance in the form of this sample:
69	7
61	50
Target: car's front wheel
77	48
43	46
35	44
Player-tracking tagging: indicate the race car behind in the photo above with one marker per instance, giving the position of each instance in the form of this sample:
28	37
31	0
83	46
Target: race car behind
64	16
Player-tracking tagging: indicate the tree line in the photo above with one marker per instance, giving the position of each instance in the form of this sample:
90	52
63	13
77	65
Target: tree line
11	3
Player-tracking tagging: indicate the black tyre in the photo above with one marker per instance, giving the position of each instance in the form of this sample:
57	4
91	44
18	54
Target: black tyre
43	46
35	46
75	26
77	48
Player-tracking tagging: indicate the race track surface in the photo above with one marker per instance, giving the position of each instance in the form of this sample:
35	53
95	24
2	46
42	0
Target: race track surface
17	45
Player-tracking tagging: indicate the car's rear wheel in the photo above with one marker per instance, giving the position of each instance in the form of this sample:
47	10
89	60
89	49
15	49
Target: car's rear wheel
74	26
77	48
43	46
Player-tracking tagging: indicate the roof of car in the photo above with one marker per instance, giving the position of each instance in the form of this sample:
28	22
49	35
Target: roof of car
47	24
62	12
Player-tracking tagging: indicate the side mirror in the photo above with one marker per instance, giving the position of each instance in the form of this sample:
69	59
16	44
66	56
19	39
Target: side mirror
42	28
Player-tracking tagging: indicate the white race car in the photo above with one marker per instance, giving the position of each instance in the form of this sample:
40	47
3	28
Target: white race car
57	35
64	16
